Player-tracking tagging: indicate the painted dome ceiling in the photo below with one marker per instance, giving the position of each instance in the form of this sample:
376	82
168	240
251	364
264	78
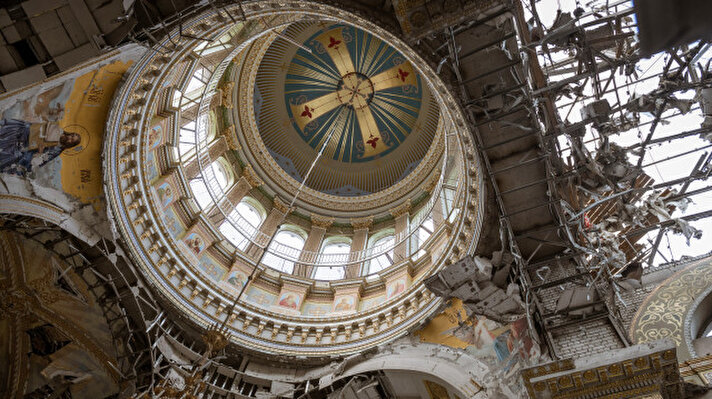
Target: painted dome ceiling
351	93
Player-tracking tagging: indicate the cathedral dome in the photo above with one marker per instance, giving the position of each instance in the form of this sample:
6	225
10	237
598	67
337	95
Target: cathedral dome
295	178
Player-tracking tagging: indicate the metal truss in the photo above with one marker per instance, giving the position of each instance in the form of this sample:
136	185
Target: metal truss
519	115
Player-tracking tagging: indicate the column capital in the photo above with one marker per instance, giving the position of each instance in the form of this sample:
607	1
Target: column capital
231	137
401	209
431	183
281	206
251	176
362	223
226	90
321	221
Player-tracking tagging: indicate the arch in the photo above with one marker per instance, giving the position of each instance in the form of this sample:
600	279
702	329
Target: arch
49	212
289	238
462	373
682	294
331	250
377	243
249	215
34	247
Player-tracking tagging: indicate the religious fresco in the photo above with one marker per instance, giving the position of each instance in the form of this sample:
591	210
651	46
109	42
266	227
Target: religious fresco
353	89
211	268
345	303
237	279
290	300
260	296
166	193
509	346
368	303
152	172
396	287
156	133
195	243
173	224
357	84
57	135
316	308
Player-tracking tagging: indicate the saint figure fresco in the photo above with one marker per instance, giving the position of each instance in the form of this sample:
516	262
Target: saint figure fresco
25	146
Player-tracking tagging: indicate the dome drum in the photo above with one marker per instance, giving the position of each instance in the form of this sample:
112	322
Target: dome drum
168	192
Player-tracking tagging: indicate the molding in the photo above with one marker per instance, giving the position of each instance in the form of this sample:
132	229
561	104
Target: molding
400	210
362	223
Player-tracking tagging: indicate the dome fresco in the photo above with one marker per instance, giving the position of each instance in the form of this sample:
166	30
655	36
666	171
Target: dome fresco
214	209
349	82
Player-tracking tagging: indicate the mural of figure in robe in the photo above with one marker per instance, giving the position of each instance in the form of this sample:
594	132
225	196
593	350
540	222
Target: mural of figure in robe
25	146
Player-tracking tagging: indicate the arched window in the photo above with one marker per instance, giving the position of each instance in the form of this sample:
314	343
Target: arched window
381	243
186	141
424	229
334	251
200	192
217	176
221	174
247	216
289	242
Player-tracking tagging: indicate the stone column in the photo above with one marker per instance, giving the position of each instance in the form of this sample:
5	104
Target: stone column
216	148
437	212
401	214
358	244
312	244
247	181
269	227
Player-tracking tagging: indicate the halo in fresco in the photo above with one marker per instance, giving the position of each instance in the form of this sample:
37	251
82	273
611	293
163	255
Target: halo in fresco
357	85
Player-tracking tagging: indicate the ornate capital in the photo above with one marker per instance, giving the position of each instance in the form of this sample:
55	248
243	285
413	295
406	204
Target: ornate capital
231	137
362	223
251	176
226	94
281	206
320	221
431	183
401	209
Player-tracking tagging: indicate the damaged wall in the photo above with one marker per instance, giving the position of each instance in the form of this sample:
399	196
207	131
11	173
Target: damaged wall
53	332
51	135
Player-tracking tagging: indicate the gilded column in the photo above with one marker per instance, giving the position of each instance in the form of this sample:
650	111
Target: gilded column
312	244
358	244
401	214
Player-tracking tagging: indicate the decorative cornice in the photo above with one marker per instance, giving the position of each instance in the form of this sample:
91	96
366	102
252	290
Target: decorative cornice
281	206
431	183
401	209
362	223
177	281
268	167
321	221
249	174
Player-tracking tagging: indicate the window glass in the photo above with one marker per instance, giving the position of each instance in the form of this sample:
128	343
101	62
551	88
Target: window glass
200	192
333	253
249	219
286	242
384	260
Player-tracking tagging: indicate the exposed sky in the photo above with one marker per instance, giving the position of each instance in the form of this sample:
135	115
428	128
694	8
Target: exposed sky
655	163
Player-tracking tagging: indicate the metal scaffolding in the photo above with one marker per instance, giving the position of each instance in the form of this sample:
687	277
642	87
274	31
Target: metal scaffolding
621	144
